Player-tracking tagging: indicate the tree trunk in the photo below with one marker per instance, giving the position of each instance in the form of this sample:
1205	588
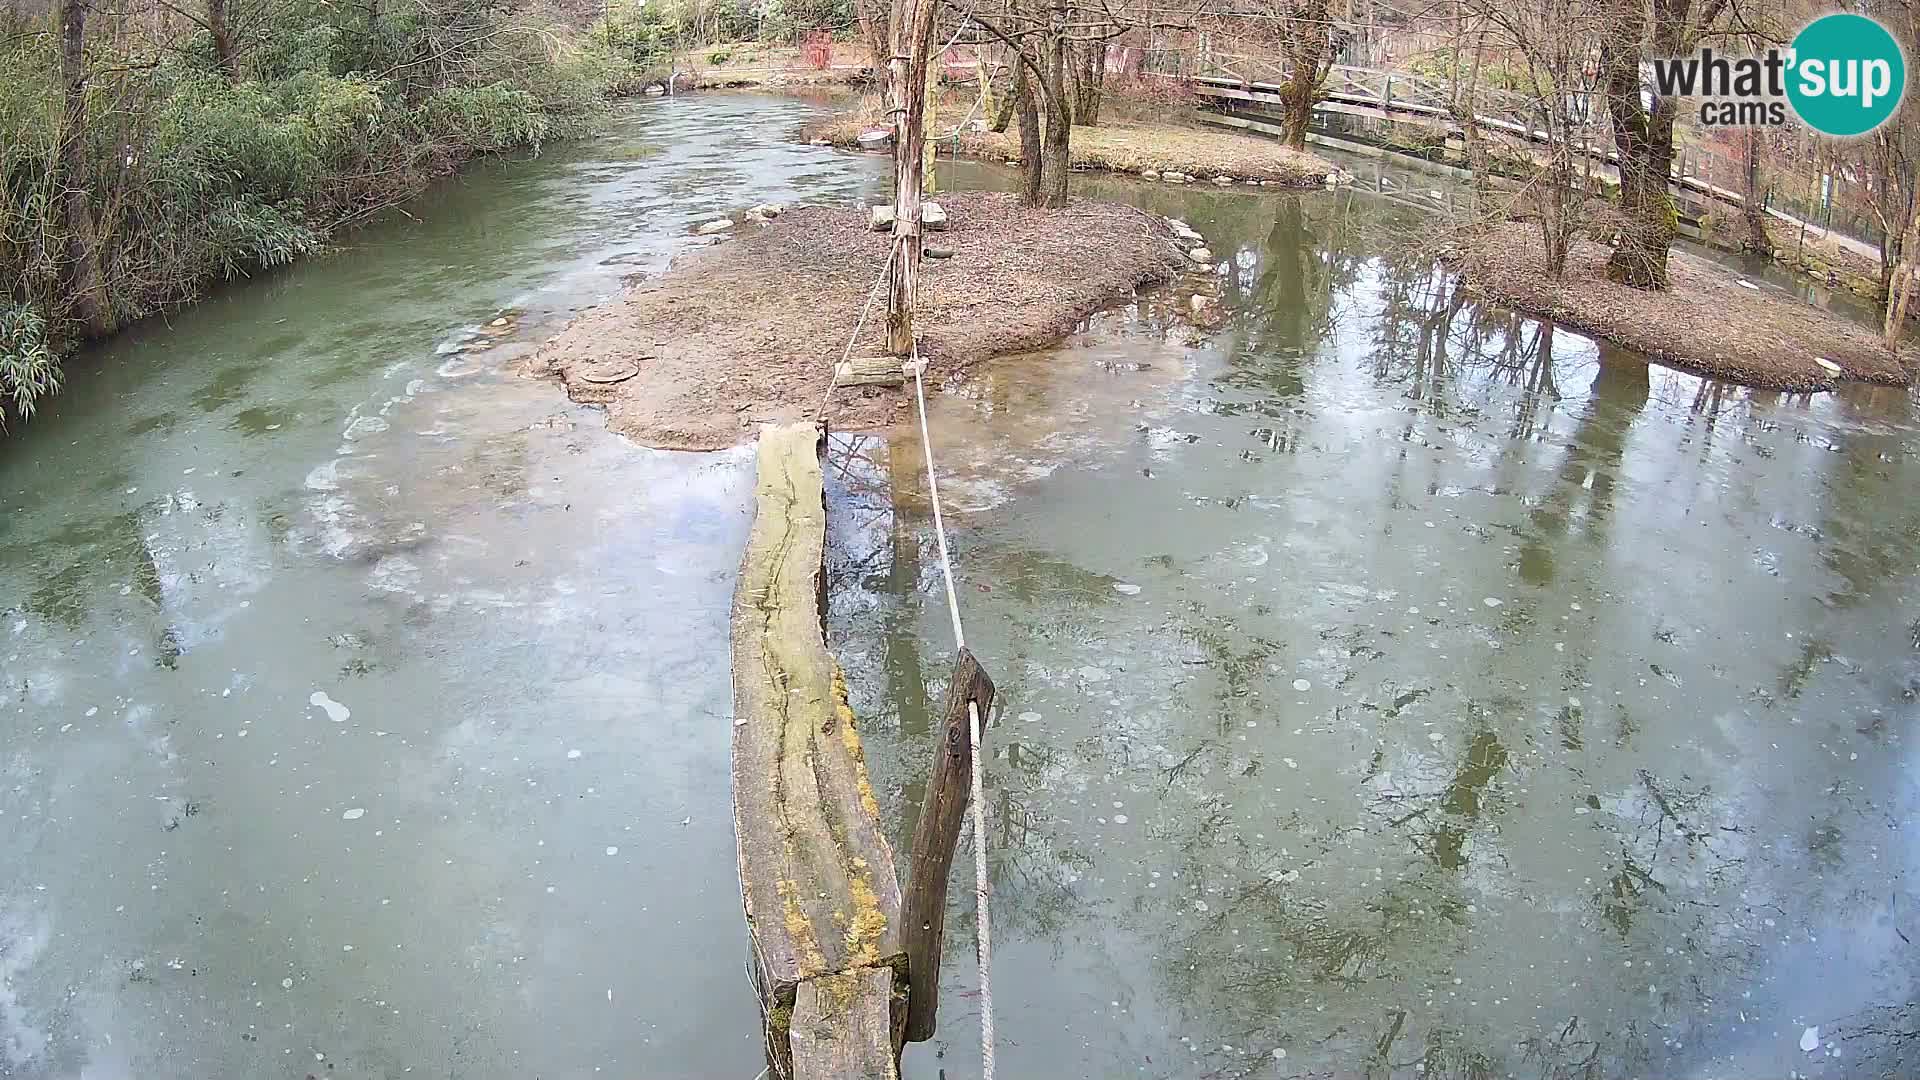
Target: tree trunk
1753	199
86	286
222	35
1899	287
1054	156
1004	109
1645	146
1028	110
1308	47
1089	74
913	44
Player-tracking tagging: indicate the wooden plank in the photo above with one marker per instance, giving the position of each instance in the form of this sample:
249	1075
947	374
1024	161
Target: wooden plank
935	835
869	371
816	873
843	1027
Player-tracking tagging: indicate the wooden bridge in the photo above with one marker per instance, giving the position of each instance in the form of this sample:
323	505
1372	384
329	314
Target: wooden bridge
1251	84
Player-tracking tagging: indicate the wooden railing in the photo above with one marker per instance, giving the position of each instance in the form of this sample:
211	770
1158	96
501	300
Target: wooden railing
1361	88
1401	95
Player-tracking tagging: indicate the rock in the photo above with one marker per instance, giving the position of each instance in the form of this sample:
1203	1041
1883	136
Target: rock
771	210
937	252
656	90
1201	255
933	216
875	139
1810	1040
718	225
1829	366
1199	301
1149	174
1223	180
881	219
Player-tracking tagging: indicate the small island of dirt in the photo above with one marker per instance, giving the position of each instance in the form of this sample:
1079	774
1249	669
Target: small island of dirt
1186	152
749	331
1707	322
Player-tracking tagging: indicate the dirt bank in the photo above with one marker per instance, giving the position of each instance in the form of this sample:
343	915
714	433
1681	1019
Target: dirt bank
748	331
753	64
1707	322
1197	154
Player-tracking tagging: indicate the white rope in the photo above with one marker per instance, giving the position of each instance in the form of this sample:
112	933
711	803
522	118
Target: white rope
981	927
980	900
834	383
933	495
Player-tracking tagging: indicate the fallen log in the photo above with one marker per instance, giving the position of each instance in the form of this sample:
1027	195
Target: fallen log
816	872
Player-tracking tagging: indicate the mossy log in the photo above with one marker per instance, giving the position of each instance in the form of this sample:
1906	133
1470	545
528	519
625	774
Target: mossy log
816	873
843	1026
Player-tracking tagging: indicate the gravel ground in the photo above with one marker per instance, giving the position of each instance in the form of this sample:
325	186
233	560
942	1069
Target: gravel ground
748	331
1706	323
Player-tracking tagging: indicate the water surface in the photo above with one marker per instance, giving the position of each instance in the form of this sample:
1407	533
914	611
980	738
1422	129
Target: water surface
1392	686
1395	686
365	706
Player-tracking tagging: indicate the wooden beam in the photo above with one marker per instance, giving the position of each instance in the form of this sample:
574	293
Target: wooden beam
870	371
816	872
942	809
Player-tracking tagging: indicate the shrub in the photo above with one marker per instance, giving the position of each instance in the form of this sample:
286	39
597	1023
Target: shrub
192	178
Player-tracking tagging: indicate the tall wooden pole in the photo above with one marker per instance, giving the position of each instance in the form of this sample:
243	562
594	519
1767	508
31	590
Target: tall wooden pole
907	82
927	125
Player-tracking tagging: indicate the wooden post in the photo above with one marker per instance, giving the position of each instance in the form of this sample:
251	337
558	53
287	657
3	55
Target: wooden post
907	76
927	125
923	910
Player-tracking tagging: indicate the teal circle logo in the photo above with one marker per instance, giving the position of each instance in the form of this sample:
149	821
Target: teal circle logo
1846	75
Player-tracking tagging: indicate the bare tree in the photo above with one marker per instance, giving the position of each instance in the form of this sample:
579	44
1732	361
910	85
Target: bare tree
1895	151
222	34
1307	39
1643	135
876	29
1057	49
1753	196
